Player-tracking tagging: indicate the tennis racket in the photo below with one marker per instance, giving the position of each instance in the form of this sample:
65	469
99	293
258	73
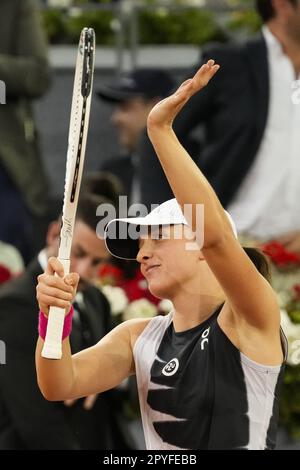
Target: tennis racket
80	111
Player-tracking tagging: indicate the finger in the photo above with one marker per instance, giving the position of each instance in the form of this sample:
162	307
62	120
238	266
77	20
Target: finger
72	279
70	402
89	402
208	70
54	281
50	301
44	308
54	267
205	73
53	292
200	80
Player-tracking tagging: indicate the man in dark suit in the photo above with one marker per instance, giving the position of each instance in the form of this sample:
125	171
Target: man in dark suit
27	420
250	149
25	71
134	95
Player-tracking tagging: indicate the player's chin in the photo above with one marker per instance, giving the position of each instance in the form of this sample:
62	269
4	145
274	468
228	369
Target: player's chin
159	289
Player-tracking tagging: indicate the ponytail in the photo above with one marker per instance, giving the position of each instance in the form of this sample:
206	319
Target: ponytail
260	262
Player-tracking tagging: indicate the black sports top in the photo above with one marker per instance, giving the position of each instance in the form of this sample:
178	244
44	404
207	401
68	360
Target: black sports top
198	391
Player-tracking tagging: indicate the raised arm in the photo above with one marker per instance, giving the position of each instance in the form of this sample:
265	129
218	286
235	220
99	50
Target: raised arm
250	296
92	370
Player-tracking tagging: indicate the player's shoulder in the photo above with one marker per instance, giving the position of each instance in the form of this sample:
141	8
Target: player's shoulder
131	330
133	327
137	326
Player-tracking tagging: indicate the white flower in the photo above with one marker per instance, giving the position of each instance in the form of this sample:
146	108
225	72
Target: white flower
141	308
11	258
285	322
294	351
284	298
292	332
116	297
165	306
143	284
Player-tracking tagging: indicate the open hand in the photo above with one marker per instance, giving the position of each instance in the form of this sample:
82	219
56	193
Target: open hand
164	112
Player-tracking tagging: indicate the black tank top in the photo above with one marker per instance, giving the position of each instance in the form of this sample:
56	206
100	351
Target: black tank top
198	391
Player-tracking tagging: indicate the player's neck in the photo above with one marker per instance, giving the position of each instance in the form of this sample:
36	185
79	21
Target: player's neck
190	311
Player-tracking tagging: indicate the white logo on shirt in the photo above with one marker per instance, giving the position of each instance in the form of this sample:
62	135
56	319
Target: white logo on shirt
171	368
205	338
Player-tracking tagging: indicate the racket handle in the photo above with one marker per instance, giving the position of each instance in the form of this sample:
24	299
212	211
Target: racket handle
52	348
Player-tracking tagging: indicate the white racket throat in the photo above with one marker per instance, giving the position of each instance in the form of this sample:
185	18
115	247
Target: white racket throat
79	121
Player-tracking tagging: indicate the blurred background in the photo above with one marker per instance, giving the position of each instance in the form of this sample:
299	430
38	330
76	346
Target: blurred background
130	34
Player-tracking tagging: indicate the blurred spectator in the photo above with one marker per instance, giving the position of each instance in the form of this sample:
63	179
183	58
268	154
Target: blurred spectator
28	421
11	263
251	129
24	69
134	96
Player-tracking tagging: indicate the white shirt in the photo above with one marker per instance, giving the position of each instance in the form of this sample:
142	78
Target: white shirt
267	203
43	259
11	258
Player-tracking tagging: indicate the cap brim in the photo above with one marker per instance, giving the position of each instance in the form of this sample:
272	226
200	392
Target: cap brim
123	248
122	235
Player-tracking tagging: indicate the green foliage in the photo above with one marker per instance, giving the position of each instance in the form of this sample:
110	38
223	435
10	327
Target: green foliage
63	27
54	25
293	309
183	27
156	26
100	21
247	20
159	26
295	315
290	396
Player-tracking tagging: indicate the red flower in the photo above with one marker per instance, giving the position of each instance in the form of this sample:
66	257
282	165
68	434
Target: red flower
135	288
5	274
296	290
280	255
110	274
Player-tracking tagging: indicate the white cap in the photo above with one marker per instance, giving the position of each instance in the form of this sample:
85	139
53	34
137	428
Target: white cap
119	238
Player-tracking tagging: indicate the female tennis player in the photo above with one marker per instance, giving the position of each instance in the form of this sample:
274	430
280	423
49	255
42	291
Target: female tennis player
208	373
